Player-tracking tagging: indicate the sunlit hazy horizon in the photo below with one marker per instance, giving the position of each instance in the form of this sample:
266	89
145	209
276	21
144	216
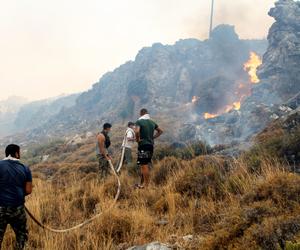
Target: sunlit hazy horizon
64	46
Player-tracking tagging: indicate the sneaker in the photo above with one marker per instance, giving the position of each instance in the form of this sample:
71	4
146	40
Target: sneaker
138	186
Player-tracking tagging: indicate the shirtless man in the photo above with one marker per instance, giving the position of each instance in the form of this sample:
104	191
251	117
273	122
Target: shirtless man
102	145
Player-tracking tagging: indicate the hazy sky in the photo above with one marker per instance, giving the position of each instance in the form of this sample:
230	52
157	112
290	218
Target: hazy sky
50	47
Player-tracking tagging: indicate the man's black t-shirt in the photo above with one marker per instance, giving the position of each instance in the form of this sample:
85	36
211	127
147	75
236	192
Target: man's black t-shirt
13	176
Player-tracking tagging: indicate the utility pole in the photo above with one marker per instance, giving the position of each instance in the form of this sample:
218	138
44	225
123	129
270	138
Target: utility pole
211	17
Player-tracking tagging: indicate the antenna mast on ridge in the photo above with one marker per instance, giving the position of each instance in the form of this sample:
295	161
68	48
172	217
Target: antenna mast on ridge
211	17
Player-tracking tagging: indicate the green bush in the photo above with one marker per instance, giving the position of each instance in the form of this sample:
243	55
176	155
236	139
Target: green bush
253	159
284	146
292	246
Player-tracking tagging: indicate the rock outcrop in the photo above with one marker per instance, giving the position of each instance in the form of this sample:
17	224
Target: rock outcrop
279	83
151	246
164	78
280	73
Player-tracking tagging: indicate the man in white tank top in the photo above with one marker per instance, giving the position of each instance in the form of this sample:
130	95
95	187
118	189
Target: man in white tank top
128	143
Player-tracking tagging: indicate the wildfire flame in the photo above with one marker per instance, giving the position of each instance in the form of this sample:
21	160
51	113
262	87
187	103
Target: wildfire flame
234	106
243	90
209	116
195	99
237	105
251	67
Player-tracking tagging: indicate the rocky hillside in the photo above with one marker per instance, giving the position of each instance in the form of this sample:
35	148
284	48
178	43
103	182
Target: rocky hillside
18	115
280	71
202	84
37	113
279	83
164	78
9	109
209	88
197	200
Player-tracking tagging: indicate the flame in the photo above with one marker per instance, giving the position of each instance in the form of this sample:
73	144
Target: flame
233	106
228	108
237	105
195	99
251	67
242	90
209	116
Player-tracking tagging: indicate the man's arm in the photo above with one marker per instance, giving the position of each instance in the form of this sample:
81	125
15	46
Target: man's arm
28	182
101	142
159	132
137	131
28	188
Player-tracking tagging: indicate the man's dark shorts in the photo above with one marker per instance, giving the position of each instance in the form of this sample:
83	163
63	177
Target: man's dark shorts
145	154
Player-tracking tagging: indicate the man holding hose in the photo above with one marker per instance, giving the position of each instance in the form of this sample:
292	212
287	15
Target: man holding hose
102	145
15	184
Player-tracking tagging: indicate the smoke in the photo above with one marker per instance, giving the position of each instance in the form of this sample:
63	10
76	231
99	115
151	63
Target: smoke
250	20
67	45
250	17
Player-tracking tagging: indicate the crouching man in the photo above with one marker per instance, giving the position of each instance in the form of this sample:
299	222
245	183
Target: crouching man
15	184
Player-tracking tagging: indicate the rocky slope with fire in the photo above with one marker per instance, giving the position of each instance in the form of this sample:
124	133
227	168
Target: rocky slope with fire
275	84
164	78
220	90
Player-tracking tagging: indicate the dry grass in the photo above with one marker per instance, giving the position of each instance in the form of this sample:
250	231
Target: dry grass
222	202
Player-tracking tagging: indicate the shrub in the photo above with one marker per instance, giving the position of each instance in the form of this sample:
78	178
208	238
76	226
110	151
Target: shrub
110	188
90	205
265	217
203	221
292	246
253	160
283	144
88	168
282	189
184	151
231	230
78	204
166	168
274	232
168	203
200	182
116	225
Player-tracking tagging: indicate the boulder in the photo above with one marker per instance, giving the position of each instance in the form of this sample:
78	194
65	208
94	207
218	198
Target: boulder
151	246
280	69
